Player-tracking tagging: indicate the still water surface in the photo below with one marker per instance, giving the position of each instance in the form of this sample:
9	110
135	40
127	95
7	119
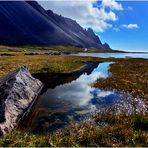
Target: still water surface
114	55
72	101
74	98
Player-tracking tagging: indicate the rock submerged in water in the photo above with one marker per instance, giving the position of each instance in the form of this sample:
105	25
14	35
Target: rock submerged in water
18	91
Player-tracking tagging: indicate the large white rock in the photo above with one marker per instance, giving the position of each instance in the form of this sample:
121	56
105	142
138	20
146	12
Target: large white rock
18	91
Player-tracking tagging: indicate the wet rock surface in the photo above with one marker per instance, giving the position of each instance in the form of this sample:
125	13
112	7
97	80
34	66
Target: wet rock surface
18	91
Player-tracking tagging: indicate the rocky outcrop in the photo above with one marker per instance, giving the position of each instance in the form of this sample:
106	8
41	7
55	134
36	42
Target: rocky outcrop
18	91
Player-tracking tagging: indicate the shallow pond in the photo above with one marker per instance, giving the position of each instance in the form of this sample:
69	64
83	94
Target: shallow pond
73	101
114	55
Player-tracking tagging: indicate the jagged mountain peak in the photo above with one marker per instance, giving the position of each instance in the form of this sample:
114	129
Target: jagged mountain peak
106	46
29	23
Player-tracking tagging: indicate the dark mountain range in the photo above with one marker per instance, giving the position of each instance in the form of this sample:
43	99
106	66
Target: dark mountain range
26	22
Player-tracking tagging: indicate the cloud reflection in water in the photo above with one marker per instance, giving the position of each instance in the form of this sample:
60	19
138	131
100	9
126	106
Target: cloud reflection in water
79	93
74	101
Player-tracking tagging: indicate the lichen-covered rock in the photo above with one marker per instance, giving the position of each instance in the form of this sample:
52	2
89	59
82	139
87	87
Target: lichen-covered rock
18	91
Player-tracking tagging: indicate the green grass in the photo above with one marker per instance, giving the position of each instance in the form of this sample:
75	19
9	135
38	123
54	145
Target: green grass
44	64
21	139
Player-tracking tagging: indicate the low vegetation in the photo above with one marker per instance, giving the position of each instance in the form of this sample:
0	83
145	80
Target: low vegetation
127	75
77	49
44	64
21	139
47	49
110	130
119	130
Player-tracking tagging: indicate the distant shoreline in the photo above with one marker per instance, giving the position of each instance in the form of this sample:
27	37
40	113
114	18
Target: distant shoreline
27	49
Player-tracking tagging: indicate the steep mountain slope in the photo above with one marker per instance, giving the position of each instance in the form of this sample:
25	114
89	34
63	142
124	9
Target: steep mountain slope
26	22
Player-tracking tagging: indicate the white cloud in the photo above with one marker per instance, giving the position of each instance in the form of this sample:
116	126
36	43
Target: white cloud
130	26
85	13
112	4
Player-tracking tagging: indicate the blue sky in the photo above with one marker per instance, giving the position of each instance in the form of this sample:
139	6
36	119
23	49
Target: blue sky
131	39
122	24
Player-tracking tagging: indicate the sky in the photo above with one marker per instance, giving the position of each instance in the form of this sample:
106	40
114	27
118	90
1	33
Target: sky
122	24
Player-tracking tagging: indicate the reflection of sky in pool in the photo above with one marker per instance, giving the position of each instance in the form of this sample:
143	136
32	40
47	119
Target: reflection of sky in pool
79	93
72	101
